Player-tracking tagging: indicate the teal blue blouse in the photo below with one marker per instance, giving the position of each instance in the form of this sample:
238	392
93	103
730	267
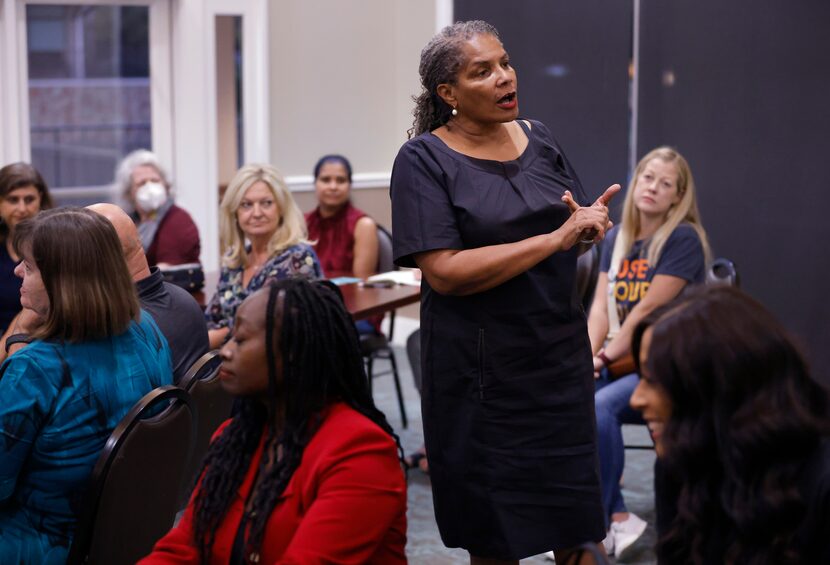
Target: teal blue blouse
59	402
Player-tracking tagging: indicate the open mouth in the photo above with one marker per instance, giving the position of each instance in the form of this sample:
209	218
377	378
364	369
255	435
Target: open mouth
507	98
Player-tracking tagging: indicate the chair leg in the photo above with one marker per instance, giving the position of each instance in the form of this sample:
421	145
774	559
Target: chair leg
369	363
404	420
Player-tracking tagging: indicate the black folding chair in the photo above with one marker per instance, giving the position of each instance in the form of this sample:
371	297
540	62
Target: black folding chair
587	271
213	406
133	492
378	346
723	271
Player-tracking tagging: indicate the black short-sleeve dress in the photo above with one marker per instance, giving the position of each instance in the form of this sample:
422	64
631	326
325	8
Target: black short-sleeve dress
508	392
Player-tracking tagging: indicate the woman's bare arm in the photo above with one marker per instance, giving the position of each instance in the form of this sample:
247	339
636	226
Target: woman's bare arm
662	289
469	271
217	337
365	248
598	316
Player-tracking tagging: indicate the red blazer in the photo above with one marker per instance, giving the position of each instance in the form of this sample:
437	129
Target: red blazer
176	241
346	503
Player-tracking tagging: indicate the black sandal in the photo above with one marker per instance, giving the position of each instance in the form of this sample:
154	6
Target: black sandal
413	460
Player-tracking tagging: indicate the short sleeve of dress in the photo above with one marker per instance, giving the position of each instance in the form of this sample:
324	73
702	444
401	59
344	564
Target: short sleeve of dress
422	213
683	255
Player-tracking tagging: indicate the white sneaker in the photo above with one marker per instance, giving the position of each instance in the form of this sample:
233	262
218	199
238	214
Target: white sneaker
625	533
608	542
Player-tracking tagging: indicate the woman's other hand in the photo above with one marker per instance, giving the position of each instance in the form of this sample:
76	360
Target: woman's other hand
28	321
599	364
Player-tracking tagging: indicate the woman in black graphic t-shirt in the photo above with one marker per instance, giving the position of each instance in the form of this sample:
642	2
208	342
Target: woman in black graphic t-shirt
657	250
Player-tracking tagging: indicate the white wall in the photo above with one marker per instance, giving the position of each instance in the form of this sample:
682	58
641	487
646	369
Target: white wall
342	78
321	76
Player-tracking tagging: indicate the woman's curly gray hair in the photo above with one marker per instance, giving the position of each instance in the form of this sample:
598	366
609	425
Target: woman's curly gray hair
124	170
441	60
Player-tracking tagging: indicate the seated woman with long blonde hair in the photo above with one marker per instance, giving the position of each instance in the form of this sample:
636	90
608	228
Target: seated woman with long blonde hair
264	236
657	250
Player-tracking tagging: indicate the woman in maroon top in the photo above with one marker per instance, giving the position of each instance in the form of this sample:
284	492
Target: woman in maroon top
347	239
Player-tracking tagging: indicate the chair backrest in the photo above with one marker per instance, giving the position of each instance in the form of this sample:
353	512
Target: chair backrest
723	271
587	271
386	263
206	367
386	260
213	406
133	492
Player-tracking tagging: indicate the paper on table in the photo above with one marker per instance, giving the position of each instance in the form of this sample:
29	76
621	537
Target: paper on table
405	276
344	280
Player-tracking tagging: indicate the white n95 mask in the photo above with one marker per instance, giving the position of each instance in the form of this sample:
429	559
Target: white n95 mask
150	196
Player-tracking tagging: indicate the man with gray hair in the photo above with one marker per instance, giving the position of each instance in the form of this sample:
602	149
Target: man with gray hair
174	310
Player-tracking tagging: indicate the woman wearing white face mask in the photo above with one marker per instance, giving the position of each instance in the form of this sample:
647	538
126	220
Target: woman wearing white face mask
167	232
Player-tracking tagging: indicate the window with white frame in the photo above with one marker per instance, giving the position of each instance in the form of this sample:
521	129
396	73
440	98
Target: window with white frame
93	88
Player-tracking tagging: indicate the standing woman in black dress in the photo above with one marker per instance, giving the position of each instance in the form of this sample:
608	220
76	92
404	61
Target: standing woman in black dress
486	205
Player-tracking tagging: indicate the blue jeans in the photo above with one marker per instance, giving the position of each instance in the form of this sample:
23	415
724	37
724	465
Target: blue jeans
613	410
365	327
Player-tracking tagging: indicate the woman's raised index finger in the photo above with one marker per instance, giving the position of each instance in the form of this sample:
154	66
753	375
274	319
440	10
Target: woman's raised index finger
609	193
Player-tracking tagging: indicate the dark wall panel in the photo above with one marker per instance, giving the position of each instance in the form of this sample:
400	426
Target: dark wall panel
572	62
741	88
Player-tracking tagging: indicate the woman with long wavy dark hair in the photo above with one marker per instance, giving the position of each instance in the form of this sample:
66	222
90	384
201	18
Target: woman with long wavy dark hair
741	432
308	471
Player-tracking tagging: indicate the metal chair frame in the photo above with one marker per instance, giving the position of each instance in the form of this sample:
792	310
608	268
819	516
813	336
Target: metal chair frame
378	347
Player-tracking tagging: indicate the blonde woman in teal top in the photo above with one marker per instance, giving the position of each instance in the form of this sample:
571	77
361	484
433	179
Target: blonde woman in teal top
93	355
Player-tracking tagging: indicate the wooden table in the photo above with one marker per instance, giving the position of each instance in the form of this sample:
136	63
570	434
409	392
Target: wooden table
361	301
365	301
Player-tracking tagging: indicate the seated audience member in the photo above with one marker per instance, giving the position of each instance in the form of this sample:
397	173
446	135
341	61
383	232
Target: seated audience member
92	357
264	237
176	312
741	430
167	232
307	471
657	250
346	238
23	193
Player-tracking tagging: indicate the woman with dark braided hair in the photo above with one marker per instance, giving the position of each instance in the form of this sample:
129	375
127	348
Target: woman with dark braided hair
308	471
741	430
486	205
